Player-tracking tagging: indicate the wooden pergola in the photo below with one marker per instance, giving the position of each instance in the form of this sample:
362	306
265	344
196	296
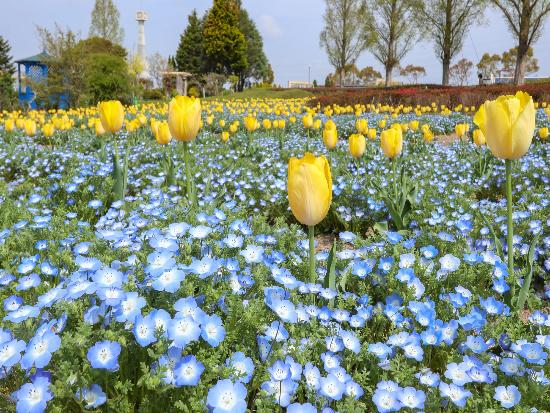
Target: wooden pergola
181	80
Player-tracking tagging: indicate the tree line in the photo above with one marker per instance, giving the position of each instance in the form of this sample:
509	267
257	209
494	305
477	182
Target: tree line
390	28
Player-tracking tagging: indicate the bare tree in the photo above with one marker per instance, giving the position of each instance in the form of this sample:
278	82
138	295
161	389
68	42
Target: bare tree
395	30
55	42
345	35
446	22
412	72
157	65
461	71
525	20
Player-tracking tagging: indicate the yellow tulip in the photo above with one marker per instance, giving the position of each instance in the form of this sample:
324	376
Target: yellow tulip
111	114
330	125
99	130
413	124
251	123
307	121
460	130
209	120
163	135
391	141
276	124
316	124
508	124
233	127
30	127
372	134
479	137
362	126
9	125
428	135
309	188
184	118
48	130
222	123
357	145
266	123
282	124
225	136
330	138
382	123
543	133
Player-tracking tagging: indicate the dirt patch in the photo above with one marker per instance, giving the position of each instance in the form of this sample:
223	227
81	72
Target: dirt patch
324	242
449	139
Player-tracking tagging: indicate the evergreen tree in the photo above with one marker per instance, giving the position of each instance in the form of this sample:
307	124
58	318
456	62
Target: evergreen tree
105	22
190	54
258	66
224	43
6	72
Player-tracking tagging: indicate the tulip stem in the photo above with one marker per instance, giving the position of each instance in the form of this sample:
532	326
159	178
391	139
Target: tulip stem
510	231
394	166
187	169
312	275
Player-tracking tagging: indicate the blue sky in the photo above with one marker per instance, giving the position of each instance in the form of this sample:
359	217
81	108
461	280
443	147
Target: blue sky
290	29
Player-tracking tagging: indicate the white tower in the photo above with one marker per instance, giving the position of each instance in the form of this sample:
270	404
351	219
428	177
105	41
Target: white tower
141	18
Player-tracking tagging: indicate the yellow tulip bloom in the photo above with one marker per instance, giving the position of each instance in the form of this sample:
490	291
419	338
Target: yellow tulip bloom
111	114
479	137
309	188
543	133
362	126
330	125
307	121
48	130
30	127
391	141
357	145
372	134
508	124
460	130
9	125
99	130
163	135
266	123
225	136
330	138
184	118
413	124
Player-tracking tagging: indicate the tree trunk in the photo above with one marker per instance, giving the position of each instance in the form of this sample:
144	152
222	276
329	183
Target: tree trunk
446	65
519	74
388	75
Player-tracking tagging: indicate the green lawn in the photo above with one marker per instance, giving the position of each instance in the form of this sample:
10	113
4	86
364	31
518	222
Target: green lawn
266	94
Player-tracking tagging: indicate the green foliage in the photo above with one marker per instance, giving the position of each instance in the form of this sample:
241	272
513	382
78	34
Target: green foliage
105	21
106	77
190	55
258	68
7	95
224	43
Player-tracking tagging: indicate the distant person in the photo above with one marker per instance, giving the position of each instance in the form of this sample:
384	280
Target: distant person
480	78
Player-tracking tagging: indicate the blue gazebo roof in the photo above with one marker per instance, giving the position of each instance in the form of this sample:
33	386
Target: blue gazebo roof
37	58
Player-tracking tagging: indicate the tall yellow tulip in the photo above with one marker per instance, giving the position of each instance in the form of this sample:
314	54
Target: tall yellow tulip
460	130
357	145
30	127
330	138
163	135
48	130
391	141
362	126
184	118
9	125
309	195
372	134
307	121
111	114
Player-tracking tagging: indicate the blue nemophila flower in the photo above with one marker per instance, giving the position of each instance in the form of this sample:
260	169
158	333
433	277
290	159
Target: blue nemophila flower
449	263
86	264
253	254
242	365
386	401
277	331
279	371
508	396
22	313
456	394
301	408
532	352
10	352
200	232
350	341
429	252
93	396
428	378
188	371
227	397
362	268
412	398
394	237
312	376
40	349
183	330
108	277
160	261
476	344
187	306
33	397
285	310
281	391
331	387
130	307
28	282
204	267
212	330
144	330
163	243
233	241
169	281
12	303
95	204
385	264
104	355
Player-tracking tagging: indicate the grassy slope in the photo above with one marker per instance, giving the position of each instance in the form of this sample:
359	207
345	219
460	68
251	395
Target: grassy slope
266	94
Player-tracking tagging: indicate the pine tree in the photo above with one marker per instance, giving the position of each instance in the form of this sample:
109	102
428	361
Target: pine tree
258	65
224	43
190	54
6	72
105	22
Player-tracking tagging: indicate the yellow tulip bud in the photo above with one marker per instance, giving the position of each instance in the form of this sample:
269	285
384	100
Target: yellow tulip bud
427	135
282	124
250	123
372	134
163	135
357	145
309	188
233	127
382	123
330	125
9	125
307	121
222	123
266	123
362	126
48	130
111	114
330	138
479	137
30	127
460	130
413	124
391	141
316	124
543	133
209	120
276	124
508	124
225	136
184	118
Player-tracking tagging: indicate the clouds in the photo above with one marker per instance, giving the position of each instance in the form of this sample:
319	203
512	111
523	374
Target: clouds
269	27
